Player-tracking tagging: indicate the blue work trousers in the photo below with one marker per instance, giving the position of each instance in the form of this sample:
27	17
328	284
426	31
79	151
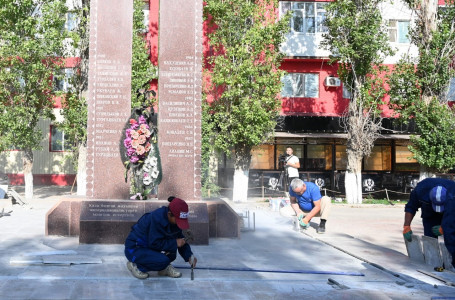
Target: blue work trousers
149	260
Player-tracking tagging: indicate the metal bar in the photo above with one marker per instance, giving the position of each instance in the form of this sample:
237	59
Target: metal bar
274	271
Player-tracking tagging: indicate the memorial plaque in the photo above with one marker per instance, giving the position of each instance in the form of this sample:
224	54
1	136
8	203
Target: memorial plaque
180	86
108	222
109	96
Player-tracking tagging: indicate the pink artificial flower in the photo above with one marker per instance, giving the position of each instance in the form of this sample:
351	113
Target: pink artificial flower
127	142
133	121
142	139
142	120
140	150
130	151
146	132
135	126
134	159
147	147
134	134
135	144
144	127
128	132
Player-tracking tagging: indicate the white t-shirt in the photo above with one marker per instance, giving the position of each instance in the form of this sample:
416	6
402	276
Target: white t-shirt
293	172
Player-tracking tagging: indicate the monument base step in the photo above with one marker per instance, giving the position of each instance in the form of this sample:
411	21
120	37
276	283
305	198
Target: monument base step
110	221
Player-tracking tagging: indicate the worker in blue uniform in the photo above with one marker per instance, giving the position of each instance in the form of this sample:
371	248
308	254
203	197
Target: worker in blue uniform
156	238
422	196
447	227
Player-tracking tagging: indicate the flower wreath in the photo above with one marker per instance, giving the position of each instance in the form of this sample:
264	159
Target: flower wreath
140	153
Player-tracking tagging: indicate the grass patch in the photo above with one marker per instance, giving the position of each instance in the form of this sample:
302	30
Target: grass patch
375	201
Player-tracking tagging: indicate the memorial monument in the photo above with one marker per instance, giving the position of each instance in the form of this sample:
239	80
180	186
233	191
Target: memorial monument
105	215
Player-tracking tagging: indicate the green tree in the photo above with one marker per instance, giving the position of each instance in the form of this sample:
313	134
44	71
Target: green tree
244	80
31	51
351	26
74	103
142	69
418	86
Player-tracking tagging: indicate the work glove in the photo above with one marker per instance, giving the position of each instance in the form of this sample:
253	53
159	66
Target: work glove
437	230
303	222
192	261
407	233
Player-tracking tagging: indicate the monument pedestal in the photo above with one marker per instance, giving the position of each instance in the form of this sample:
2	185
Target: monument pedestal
110	221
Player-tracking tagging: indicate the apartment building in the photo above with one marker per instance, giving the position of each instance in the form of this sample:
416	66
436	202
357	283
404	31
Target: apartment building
313	103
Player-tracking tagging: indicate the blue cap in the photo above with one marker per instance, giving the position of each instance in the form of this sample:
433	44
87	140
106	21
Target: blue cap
438	196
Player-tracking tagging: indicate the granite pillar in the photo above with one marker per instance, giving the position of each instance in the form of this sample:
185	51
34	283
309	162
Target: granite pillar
179	90
109	96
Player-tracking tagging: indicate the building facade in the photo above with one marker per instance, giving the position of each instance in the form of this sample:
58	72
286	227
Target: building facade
313	103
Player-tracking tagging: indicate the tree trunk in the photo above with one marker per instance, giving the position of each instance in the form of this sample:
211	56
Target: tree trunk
241	171
353	178
82	171
240	189
27	162
424	172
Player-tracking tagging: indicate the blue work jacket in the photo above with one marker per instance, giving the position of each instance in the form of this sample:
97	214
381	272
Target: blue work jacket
154	231
420	197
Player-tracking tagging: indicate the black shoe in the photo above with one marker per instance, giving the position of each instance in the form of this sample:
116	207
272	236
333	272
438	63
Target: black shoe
321	229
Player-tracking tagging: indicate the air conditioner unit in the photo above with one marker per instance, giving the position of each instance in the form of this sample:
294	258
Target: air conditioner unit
332	81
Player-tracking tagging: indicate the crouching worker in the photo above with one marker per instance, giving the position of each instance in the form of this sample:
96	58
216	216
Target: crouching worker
307	202
155	239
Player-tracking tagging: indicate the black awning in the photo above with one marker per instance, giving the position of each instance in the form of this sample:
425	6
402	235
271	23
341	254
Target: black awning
317	124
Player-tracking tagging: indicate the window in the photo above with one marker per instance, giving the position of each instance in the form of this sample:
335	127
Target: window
307	17
404	160
451	90
262	157
398	31
380	159
58	141
319	157
71	21
341	157
62	79
346	93
300	85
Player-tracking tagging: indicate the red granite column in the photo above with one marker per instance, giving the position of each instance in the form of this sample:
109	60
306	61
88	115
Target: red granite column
109	96
179	91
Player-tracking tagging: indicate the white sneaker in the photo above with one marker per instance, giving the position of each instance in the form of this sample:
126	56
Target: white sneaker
135	271
170	271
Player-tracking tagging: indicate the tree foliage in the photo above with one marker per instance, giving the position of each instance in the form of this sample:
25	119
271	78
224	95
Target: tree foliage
243	74
418	86
351	26
74	104
31	51
142	69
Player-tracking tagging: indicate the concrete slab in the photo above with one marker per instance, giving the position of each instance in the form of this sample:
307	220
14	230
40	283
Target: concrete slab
365	240
446	257
431	251
414	249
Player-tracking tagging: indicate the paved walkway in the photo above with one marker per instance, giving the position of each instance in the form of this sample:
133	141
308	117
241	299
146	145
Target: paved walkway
362	240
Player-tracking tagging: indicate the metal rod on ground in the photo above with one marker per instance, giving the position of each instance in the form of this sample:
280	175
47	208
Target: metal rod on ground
262	192
325	192
275	271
